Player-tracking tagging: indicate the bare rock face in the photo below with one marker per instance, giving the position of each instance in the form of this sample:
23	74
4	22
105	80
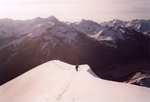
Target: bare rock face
141	78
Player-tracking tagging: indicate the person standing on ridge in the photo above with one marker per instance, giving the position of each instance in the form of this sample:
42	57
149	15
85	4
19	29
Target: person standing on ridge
77	66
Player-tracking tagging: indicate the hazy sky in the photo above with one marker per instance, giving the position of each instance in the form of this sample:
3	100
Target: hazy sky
75	10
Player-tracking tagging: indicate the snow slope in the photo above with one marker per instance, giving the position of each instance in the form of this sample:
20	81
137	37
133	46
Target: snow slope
56	81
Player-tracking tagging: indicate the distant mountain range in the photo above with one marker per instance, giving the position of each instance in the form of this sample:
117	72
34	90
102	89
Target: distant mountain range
114	49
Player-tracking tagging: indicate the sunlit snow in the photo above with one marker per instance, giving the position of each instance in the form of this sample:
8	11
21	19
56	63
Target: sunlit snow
56	81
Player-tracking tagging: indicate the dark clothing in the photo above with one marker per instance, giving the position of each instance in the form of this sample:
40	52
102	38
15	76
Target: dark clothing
77	67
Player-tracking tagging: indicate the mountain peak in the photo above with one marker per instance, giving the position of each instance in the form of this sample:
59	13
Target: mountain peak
84	20
53	18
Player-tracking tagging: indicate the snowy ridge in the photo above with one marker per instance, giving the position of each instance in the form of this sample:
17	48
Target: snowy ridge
109	34
56	81
18	28
49	28
88	27
139	25
115	22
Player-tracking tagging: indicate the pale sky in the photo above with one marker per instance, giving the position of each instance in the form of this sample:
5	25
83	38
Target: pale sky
75	10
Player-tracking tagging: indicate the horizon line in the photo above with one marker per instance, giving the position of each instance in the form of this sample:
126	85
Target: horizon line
24	19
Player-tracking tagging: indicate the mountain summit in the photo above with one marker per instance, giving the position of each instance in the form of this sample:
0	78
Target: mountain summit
56	81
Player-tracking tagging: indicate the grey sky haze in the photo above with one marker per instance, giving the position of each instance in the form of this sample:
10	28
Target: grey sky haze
75	10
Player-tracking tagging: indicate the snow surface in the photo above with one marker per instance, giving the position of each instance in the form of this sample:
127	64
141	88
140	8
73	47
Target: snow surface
56	81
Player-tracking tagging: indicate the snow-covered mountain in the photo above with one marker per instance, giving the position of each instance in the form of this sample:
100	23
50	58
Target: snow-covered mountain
17	28
88	26
139	25
115	22
112	30
56	81
115	45
142	26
